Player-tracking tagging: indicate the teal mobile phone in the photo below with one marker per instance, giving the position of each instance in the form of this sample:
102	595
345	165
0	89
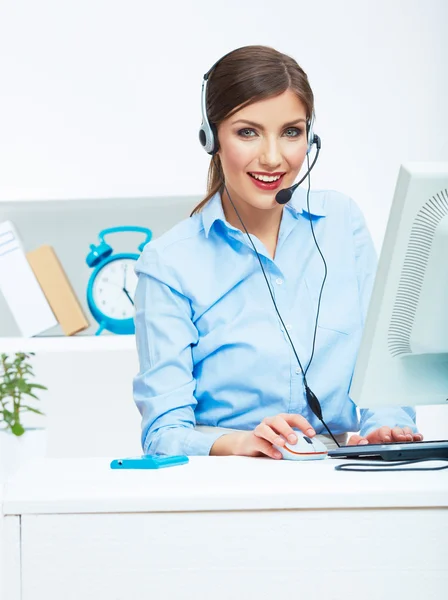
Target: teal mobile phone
148	462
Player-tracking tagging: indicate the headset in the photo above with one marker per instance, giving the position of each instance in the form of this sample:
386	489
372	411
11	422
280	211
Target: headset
208	138
208	135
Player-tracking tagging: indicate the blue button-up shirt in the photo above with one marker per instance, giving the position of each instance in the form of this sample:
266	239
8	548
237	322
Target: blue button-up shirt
212	349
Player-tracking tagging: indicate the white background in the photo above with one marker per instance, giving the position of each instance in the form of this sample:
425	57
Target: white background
102	97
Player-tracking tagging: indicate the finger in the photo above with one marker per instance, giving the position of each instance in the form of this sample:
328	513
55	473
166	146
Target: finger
383	434
264	447
398	434
280	425
408	433
300	422
417	437
265	432
356	440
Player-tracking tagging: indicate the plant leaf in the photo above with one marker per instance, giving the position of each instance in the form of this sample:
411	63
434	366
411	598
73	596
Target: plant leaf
34	410
22	385
8	415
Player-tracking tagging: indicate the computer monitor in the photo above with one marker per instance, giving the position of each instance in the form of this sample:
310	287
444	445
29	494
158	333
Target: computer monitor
403	357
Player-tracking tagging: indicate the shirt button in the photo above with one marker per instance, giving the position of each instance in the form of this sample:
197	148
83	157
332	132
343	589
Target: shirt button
279	281
298	370
288	327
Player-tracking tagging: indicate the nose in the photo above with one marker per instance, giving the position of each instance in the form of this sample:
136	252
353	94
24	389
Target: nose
270	153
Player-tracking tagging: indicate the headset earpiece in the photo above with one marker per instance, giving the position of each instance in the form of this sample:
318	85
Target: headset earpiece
208	136
310	134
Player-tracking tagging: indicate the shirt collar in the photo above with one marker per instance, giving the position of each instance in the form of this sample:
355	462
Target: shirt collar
213	210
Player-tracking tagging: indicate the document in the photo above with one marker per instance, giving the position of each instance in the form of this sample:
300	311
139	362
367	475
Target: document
20	287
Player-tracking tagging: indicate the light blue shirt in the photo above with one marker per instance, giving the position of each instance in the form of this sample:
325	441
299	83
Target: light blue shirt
211	346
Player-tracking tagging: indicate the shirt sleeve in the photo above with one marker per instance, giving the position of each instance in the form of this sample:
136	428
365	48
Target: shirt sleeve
366	263
164	387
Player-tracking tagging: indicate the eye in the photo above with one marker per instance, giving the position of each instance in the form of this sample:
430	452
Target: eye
293	132
246	132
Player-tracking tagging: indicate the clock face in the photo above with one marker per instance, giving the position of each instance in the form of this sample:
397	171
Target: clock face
114	288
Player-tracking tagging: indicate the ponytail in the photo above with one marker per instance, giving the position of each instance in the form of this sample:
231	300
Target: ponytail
214	183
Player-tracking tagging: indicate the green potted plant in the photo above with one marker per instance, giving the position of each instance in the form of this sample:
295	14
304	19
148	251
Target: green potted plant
17	394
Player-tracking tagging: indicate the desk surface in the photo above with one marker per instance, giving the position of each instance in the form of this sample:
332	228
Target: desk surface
214	483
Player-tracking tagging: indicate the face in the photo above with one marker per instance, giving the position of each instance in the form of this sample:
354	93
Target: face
266	140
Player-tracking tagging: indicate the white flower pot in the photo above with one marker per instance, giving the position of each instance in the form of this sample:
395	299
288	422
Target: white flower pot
15	451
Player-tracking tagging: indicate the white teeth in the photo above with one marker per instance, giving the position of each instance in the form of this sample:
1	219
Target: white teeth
266	178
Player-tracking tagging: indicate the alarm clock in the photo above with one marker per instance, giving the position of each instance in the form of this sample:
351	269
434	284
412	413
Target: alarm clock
111	287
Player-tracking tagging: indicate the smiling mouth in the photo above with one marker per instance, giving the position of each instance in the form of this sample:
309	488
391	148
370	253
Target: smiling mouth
266	182
266	178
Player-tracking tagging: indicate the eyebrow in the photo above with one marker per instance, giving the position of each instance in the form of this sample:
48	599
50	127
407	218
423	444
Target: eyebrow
261	126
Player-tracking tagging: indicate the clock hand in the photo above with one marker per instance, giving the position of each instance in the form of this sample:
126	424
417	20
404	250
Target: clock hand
125	269
128	295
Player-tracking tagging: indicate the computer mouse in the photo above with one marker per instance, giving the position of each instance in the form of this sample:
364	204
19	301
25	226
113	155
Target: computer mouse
305	448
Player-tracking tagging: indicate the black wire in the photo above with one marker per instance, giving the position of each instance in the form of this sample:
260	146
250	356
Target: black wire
309	169
325	266
311	398
263	271
386	467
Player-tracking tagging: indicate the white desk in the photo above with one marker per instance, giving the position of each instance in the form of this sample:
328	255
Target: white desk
2	583
224	528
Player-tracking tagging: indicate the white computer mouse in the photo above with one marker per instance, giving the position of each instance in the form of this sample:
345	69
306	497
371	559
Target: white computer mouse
305	448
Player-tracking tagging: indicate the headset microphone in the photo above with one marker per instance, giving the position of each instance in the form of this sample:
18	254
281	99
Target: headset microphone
284	196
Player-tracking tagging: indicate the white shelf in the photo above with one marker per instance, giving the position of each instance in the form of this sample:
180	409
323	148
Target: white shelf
70	226
78	343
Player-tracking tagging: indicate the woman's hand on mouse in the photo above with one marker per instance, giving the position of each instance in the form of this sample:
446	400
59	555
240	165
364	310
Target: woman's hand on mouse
386	434
259	442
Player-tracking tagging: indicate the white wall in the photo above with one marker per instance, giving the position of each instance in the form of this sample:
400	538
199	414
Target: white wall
102	97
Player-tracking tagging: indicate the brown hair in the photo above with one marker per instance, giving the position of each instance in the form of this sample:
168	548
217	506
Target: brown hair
245	76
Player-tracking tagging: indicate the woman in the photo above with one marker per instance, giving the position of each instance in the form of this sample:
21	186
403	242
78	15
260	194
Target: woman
221	314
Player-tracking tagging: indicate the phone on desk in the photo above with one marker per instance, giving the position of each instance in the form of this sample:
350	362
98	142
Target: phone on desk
148	462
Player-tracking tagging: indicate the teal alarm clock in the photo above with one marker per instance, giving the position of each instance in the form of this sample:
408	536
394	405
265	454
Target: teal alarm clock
111	287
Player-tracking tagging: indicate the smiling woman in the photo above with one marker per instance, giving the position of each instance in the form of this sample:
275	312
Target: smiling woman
221	371
270	99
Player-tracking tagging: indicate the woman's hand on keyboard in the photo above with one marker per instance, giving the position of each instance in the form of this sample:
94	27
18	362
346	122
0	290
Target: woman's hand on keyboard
386	434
